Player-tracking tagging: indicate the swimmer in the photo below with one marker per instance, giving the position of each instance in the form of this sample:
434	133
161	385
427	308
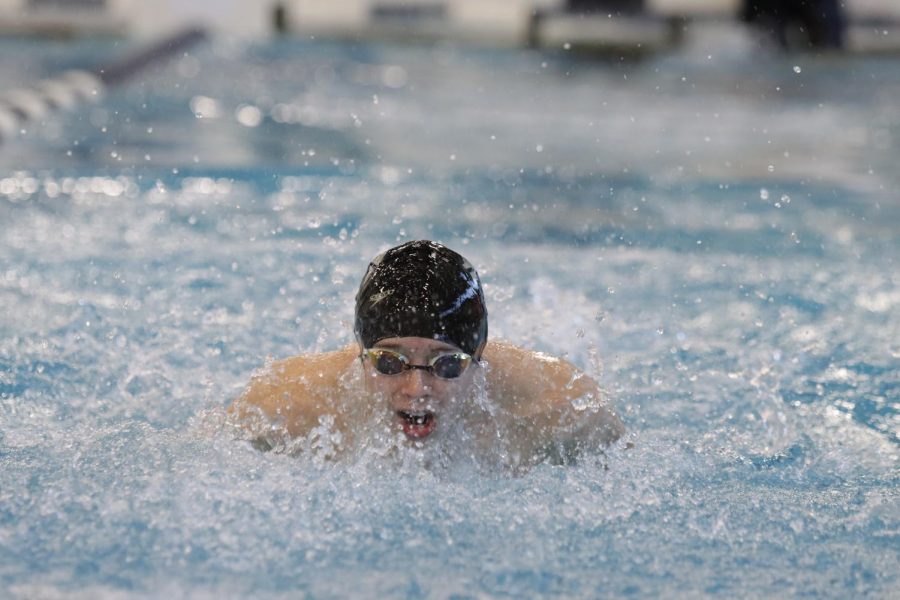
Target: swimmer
423	370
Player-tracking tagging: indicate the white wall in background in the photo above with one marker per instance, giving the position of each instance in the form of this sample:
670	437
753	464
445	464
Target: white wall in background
695	7
334	15
499	18
874	8
150	18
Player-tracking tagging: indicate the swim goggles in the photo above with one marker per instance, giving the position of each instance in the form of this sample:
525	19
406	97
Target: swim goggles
391	362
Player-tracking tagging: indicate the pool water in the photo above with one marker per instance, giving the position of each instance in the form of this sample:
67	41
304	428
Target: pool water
712	234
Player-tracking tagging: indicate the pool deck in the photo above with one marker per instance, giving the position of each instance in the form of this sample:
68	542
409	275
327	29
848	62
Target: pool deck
873	25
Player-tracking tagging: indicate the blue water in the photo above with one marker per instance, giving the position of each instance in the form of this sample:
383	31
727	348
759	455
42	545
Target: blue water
712	234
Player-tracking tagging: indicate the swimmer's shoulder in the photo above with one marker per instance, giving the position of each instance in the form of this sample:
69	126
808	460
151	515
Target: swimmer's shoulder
311	370
503	357
295	390
527	374
558	401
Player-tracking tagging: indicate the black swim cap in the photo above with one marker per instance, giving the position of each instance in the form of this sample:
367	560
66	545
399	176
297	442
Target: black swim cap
422	289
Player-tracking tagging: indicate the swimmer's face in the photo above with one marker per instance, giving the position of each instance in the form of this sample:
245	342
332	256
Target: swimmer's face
418	399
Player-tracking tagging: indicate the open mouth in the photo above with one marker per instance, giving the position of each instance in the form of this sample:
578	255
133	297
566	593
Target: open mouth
416	424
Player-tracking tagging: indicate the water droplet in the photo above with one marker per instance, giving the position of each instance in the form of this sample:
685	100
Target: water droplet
248	116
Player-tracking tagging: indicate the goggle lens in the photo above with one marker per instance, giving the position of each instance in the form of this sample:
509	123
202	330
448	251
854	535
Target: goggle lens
450	366
388	363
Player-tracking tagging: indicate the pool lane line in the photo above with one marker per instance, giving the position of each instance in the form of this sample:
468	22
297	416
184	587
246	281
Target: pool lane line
123	70
30	104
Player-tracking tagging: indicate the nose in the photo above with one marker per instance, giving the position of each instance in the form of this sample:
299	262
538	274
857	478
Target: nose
415	383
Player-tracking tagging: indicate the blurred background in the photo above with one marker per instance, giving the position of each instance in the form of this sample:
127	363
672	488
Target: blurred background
741	48
485	21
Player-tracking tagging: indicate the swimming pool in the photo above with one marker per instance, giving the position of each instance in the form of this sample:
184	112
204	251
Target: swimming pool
712	234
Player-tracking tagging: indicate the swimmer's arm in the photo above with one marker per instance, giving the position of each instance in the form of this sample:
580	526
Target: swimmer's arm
562	406
276	403
578	415
288	398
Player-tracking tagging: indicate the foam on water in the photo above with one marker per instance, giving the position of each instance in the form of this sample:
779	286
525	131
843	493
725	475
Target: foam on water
749	341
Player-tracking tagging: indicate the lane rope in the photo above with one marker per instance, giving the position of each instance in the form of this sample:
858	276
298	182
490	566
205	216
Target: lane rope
34	103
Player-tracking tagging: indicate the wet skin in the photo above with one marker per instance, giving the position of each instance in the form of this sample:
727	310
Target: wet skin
537	402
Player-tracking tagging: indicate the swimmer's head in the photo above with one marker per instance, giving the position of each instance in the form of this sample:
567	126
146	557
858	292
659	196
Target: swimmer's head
422	289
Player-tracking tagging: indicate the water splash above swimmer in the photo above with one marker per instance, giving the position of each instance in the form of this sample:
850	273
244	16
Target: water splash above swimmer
423	384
